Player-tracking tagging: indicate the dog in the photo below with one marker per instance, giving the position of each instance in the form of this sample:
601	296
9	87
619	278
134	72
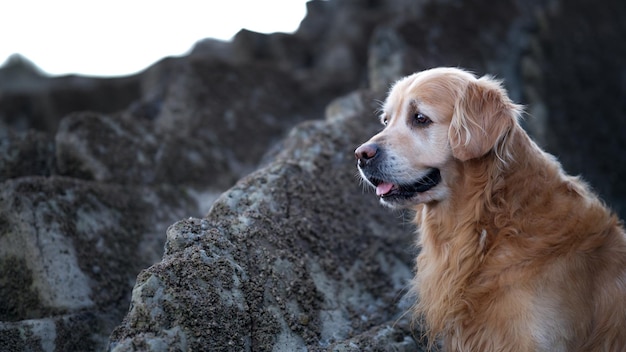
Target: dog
515	255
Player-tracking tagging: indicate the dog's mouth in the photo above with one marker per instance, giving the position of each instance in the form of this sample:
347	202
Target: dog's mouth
387	190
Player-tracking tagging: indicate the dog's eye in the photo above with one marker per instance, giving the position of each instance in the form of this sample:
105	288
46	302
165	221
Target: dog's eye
384	121
421	119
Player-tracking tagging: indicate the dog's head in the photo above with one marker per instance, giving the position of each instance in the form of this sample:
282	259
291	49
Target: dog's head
434	121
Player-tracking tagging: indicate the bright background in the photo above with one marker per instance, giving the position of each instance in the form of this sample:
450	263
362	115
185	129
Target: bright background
120	37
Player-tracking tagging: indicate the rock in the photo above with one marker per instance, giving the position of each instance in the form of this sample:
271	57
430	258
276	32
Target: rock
486	38
396	336
68	249
236	111
68	332
582	120
27	153
31	100
215	121
296	255
19	73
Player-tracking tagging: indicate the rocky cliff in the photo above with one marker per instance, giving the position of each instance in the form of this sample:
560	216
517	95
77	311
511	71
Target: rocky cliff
211	202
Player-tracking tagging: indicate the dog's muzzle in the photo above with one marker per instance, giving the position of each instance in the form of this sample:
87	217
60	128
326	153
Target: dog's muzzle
369	157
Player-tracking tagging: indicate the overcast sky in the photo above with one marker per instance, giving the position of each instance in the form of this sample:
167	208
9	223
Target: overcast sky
118	37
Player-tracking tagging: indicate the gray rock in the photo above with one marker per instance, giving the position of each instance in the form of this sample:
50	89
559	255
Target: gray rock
27	153
68	332
214	121
294	257
397	335
68	250
582	116
31	100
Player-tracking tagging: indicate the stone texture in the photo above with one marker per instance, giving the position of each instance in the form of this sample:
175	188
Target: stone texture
583	118
68	250
31	100
28	153
296	255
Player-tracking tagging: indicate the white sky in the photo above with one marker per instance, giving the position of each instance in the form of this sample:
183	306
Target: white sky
119	37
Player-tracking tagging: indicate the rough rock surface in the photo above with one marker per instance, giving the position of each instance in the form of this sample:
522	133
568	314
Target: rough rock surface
29	100
68	250
295	255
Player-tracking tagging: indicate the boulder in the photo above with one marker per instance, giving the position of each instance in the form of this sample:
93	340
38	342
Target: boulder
296	255
28	153
579	90
30	100
214	121
68	250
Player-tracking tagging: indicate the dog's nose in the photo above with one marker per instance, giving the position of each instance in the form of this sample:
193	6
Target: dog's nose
365	153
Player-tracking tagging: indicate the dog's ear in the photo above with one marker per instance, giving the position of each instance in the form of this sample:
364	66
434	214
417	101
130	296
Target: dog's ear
483	115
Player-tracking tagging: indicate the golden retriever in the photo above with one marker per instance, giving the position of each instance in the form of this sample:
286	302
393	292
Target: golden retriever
515	254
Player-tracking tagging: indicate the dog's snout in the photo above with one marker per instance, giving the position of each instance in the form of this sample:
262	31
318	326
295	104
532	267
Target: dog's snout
365	153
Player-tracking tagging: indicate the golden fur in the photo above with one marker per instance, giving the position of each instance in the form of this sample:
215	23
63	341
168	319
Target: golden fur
515	254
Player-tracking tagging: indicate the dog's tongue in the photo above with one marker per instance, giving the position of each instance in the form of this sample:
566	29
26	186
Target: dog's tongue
383	188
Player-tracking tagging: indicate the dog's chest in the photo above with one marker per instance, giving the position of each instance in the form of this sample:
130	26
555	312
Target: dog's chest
471	304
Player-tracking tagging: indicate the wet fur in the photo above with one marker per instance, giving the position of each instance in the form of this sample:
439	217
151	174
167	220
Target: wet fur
515	254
